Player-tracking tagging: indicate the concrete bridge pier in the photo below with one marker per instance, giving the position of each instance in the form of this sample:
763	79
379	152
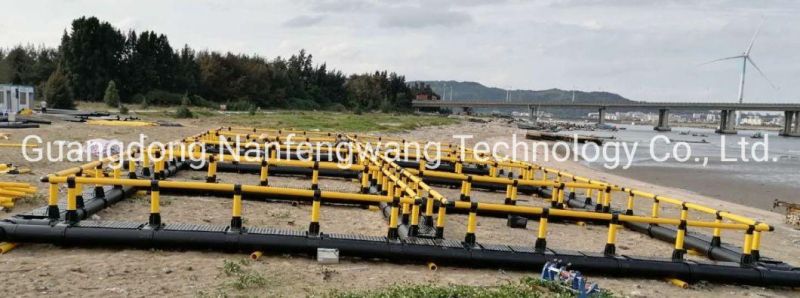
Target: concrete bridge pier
601	116
663	121
791	124
727	122
533	115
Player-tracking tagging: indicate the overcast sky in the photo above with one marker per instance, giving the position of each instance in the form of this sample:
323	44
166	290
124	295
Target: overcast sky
644	50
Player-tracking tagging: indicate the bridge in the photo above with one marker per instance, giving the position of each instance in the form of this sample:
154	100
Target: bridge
727	110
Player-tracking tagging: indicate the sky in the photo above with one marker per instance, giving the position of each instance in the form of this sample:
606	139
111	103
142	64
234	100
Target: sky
643	50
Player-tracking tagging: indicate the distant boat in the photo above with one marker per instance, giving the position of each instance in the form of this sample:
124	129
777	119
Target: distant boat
757	135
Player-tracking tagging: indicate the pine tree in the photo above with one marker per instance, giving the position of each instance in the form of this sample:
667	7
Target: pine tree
57	91
111	96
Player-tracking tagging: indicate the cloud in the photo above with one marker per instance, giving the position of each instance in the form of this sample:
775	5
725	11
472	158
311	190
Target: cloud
421	18
303	21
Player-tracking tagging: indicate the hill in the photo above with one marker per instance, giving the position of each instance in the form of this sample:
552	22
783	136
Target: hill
476	91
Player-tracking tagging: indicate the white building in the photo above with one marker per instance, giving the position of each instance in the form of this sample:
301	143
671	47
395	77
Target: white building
753	120
14	98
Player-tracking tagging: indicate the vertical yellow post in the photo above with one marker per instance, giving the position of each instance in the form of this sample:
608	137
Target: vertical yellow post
560	203
72	202
656	207
131	166
629	209
146	163
365	179
212	169
263	176
406	209
429	210
756	243
117	171
52	202
313	227
315	176
472	223
236	211
440	218
509	191
716	240
611	240
747	248
680	236
155	204
414	227
607	200
541	233
394	214
465	189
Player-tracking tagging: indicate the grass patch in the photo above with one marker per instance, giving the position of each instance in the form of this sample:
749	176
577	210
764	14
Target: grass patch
327	120
525	287
305	120
238	280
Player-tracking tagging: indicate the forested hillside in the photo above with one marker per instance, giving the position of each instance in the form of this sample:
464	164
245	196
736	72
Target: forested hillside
146	69
476	91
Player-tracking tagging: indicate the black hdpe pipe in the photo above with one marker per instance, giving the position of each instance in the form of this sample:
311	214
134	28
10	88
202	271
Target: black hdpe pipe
524	189
401	251
721	253
97	203
284	170
444	167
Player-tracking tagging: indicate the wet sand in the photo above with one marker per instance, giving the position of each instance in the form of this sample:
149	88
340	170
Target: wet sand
713	183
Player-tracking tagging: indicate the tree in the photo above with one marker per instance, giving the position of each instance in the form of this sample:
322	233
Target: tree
111	96
57	91
92	55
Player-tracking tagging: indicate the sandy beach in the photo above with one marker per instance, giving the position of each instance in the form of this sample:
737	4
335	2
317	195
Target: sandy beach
36	270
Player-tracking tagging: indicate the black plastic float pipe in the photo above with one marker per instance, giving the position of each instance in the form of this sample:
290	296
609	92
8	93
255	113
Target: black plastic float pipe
284	170
220	238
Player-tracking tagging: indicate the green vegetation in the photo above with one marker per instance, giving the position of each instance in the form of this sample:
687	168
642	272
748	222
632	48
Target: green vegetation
474	90
111	96
57	92
526	287
147	70
309	120
237	277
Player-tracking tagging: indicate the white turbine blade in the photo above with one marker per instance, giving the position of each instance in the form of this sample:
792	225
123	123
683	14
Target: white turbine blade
721	59
753	40
761	72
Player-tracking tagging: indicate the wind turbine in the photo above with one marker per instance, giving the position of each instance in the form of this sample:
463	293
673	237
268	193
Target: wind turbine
745	56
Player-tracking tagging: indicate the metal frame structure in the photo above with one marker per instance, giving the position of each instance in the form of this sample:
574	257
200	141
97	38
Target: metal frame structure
400	183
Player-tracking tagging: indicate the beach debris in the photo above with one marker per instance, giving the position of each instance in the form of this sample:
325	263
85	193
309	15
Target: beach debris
792	211
571	279
12	191
7	168
136	123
